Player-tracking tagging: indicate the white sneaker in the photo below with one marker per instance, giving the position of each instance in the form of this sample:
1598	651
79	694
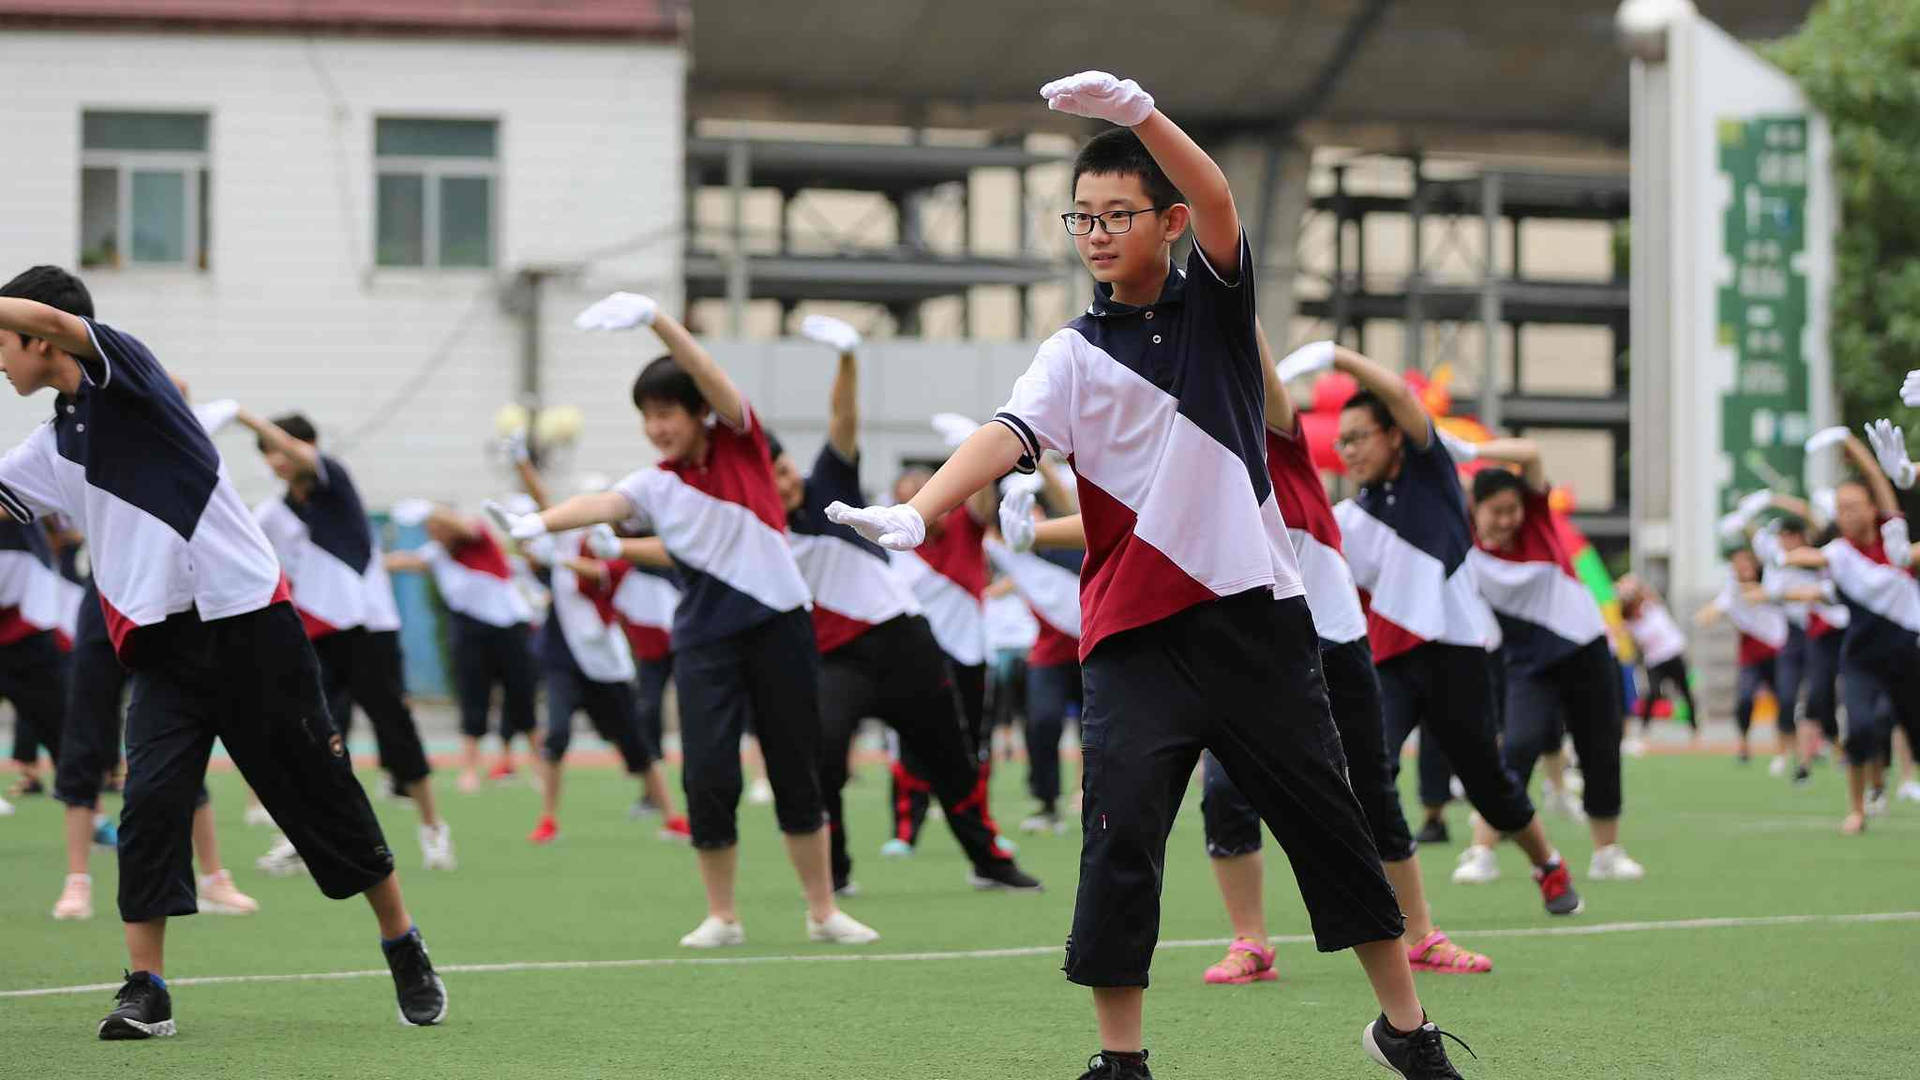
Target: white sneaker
1909	791
1611	863
76	898
436	847
1455	788
760	794
841	928
1478	865
713	933
1633	746
257	817
1555	800
896	848
6	808
281	860
1777	767
1044	823
218	896
1574	781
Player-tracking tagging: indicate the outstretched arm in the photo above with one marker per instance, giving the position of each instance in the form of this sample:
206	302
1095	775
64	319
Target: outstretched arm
581	511
273	437
65	332
646	551
986	456
1522	452
1389	387
404	562
1062	532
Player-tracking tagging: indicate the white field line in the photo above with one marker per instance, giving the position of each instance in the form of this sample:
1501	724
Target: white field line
1565	930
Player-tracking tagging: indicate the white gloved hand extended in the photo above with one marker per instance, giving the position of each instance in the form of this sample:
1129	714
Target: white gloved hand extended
954	429
1031	483
408	513
1910	390
1890	446
1016	520
831	332
1101	96
621	311
1752	503
517	526
897	528
602	543
1825	438
1459	449
1305	360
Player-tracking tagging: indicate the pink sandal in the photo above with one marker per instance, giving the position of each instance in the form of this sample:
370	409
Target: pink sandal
1436	952
1246	962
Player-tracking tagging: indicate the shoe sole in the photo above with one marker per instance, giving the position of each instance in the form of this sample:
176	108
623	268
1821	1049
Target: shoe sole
1268	975
208	907
72	916
438	1018
728	944
985	884
1372	1048
1447	969
117	1028
1577	909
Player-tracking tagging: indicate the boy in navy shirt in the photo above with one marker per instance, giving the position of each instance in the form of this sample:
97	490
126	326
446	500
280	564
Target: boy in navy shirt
744	654
197	607
1195	634
878	656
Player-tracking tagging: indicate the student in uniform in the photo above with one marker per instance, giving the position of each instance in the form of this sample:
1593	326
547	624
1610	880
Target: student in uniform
1763	633
490	625
1663	653
1194	631
744	653
320	530
198	610
1560	675
1407	539
878	657
644	596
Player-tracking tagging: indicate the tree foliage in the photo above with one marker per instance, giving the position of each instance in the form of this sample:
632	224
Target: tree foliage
1859	63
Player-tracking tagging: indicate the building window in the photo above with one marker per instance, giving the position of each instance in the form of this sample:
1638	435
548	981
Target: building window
434	189
144	189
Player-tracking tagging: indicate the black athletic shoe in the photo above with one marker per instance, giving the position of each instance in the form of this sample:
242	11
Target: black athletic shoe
423	998
1102	1067
1434	832
1417	1055
1003	875
142	1010
1801	777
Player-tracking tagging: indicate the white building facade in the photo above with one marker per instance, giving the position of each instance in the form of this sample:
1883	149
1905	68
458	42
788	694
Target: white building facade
331	218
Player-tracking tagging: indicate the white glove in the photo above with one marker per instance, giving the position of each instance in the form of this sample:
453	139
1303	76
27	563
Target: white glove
216	415
602	543
1751	504
1018	482
1459	449
1732	527
1100	96
1305	360
621	311
831	332
1890	446
1825	438
954	429
897	528
516	447
1910	390
1823	504
408	513
1016	520
518	526
1893	533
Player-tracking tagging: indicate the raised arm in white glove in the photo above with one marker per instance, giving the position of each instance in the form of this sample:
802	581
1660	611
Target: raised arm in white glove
1016	520
1101	96
1305	360
602	543
1826	438
831	332
1890	446
1910	390
517	526
621	311
897	528
954	429
408	513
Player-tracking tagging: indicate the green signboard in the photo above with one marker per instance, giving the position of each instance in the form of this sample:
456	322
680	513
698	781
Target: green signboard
1762	311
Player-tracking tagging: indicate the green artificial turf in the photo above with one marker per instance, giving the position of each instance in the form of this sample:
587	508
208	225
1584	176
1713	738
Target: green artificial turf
1819	998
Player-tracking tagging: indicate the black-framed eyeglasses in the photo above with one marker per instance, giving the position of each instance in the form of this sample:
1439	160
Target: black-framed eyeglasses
1114	222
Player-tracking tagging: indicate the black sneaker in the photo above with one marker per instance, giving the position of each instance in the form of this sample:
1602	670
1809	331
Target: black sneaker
1003	875
423	997
142	1010
1801	777
1434	832
1417	1055
1102	1067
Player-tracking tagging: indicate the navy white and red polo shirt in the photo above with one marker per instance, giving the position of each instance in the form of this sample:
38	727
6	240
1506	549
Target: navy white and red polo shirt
331	557
1883	599
1546	614
1049	581
854	587
1304	506
475	579
947	576
645	599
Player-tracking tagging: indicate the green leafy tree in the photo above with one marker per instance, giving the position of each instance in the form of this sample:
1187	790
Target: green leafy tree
1859	63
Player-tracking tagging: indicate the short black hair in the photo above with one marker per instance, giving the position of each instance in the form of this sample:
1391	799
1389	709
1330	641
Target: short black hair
774	448
1119	152
1492	481
53	287
664	380
1793	523
1370	401
298	426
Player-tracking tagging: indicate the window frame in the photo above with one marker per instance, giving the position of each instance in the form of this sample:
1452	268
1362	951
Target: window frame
192	165
433	169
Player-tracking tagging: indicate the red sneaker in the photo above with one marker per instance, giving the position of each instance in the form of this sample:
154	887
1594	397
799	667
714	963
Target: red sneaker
1556	890
677	829
545	832
502	770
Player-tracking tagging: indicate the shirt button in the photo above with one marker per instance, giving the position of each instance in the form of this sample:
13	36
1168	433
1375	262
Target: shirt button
79	427
1156	339
1149	314
69	410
